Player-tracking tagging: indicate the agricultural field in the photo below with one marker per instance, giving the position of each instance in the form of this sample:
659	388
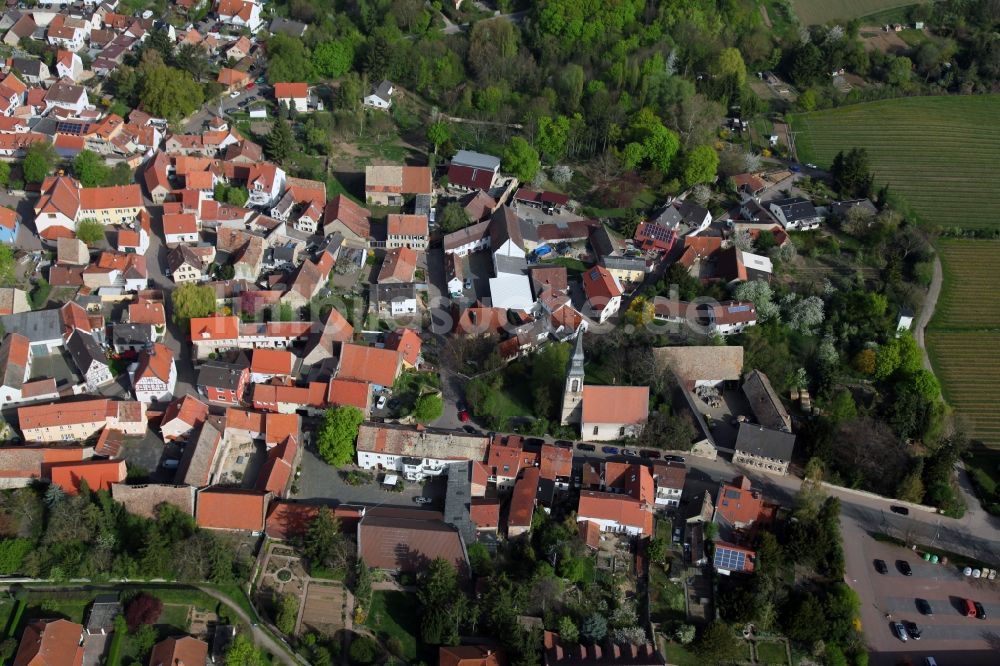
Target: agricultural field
970	300
967	365
939	153
818	12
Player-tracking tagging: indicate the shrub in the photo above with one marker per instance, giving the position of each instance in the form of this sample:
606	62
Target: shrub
144	609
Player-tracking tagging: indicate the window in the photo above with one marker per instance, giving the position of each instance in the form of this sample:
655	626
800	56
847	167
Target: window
595	430
621	431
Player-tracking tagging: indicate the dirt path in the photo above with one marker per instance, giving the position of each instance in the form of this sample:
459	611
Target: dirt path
927	311
767	19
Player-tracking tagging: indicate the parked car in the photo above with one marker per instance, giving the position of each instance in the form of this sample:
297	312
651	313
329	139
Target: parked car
980	611
471	430
534	441
564	444
970	607
463	416
468	283
649	453
924	607
913	630
610	450
586	447
630	452
901	510
795	168
678	532
234	94
881	567
422	500
904	567
251	86
900	631
679	459
380	404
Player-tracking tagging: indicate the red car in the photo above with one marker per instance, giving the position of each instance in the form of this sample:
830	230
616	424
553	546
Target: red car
463	416
251	86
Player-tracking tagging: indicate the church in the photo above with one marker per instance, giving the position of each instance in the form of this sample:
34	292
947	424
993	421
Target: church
605	413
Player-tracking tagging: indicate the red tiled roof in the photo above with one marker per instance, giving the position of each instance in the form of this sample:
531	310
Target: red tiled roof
230	509
183	651
406	225
485	513
291	90
368	364
215	328
621	509
99	474
147	312
399	265
155	363
522	502
737	503
272	362
118	196
556	462
615	404
348	392
50	643
471	655
407	342
189	410
598	283
286	520
353	216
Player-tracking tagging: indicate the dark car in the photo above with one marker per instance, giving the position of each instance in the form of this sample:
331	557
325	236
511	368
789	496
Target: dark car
679	459
795	168
470	429
980	611
610	450
900	631
586	447
649	453
881	567
564	444
913	630
924	607
901	510
904	567
534	441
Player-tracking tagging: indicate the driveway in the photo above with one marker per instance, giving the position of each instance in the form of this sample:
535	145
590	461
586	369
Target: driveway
947	635
93	649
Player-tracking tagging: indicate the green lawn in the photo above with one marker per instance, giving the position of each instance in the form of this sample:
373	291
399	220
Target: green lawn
818	12
681	656
574	267
983	466
771	653
666	598
396	615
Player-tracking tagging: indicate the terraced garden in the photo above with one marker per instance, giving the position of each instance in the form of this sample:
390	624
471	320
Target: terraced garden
970	299
939	153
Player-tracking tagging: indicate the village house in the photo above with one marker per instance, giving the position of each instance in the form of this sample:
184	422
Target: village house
231	509
416	454
386	185
603	291
154	377
763	448
347	218
184	264
77	421
266	364
409	231
182	417
90	359
795	213
50	642
292	96
98	474
223	382
473	171
380	97
240	14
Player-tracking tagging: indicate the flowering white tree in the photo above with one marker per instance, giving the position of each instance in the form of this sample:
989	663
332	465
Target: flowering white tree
562	174
759	293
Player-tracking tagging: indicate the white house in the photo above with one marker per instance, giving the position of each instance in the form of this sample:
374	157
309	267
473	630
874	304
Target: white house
395	299
185	265
240	13
265	184
669	480
795	213
417	454
69	65
66	95
603	291
155	375
905	322
180	228
292	95
381	96
90	359
511	292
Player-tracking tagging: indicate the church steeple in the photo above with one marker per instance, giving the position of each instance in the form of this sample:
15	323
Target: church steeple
573	392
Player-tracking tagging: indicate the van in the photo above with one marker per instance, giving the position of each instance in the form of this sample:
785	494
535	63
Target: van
171	463
930	661
970	608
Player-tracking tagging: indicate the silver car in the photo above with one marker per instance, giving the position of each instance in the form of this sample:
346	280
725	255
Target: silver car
900	631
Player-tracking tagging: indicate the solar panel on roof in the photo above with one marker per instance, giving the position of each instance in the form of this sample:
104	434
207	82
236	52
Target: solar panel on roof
729	559
76	129
739	308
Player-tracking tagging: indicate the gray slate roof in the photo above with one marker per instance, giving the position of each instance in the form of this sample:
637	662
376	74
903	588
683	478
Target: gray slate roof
85	351
796	208
760	441
37	325
220	375
476	160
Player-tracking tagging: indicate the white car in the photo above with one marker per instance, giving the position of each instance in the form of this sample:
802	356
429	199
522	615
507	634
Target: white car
381	402
234	94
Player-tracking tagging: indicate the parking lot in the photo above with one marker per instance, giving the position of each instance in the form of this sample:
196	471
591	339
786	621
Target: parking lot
947	635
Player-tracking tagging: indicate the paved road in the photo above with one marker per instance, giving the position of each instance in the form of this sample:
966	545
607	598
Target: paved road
927	311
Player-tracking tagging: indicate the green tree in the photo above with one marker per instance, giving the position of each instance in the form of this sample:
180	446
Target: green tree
336	437
594	628
40	295
718	644
242	652
521	159
729	63
552	137
438	134
363	650
12	554
4	174
480	559
333	59
280	141
167	92
287	614
90	231
39	160
324	543
189	301
442	603
453	217
286	312
428	408
657	549
288	60
851	173
887	359
700	165
568	631
652	141
7	264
